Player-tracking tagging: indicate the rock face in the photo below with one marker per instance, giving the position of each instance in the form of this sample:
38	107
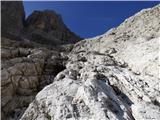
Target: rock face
13	17
28	66
44	27
25	71
48	27
110	77
114	76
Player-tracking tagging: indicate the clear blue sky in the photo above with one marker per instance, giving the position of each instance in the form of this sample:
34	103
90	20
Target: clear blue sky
90	18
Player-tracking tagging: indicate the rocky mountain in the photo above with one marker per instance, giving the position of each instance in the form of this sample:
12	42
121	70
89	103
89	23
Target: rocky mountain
27	64
110	77
48	27
114	76
44	27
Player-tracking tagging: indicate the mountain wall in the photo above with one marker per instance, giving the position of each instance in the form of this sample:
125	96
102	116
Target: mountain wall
114	76
47	27
13	18
32	54
44	27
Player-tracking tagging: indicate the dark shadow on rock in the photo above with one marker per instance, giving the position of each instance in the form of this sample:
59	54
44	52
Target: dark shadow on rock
122	95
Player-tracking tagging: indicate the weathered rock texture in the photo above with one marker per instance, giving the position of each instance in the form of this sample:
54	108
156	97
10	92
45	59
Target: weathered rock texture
25	70
48	27
13	17
114	76
28	66
44	27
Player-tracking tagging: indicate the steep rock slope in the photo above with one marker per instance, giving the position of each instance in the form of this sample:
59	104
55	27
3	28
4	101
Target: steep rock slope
114	76
13	17
44	27
28	66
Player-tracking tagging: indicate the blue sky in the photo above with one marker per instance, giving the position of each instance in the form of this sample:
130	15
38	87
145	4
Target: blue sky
90	18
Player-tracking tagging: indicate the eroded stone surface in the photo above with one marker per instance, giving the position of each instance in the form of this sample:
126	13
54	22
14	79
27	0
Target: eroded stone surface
110	77
13	17
114	76
47	27
25	71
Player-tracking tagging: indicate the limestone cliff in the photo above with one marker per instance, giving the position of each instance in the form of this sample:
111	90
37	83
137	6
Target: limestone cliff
44	27
12	18
114	76
48	27
27	64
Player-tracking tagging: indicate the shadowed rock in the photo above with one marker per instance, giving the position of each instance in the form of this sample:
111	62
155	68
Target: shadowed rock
12	17
48	27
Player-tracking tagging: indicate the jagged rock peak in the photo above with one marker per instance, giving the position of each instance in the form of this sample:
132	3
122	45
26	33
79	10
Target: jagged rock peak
45	27
45	20
51	24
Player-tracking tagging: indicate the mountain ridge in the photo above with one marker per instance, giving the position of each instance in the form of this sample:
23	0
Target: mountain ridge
15	25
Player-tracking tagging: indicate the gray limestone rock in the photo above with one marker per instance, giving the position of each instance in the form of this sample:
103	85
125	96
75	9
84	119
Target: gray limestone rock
117	76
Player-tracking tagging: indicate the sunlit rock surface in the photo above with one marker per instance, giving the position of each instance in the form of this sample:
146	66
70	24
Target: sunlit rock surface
114	76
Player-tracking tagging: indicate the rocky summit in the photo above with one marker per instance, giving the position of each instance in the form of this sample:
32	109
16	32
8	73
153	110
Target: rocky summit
48	27
44	27
114	76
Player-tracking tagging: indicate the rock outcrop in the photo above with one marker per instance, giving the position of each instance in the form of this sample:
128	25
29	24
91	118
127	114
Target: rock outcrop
114	76
26	64
48	27
13	18
44	27
25	70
